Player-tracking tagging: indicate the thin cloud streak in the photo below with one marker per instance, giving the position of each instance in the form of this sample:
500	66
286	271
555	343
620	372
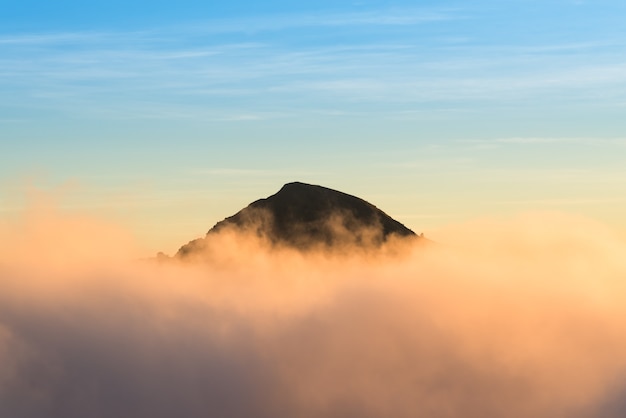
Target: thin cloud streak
561	202
378	18
546	141
399	17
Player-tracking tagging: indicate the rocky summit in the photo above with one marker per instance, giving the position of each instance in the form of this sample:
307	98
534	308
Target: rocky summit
304	216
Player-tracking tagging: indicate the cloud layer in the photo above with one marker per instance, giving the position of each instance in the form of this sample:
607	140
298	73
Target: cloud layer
519	318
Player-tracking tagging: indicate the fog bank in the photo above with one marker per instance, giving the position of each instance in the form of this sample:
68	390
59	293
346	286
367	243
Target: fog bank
518	317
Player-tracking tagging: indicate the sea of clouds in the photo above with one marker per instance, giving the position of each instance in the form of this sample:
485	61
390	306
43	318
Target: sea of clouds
517	317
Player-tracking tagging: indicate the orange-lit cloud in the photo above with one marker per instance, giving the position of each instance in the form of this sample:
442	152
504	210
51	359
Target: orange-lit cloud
519	318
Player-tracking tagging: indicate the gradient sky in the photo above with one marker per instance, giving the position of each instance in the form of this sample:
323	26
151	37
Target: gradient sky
170	116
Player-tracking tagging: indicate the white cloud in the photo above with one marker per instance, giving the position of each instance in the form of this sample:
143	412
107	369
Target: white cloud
483	325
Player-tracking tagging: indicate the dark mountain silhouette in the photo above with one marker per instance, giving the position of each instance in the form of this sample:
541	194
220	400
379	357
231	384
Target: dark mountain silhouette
304	216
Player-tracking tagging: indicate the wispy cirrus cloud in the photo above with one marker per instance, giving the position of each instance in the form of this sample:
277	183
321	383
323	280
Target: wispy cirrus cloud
264	64
400	17
274	22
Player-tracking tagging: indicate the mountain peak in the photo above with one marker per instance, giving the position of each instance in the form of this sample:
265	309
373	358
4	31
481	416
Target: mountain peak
303	216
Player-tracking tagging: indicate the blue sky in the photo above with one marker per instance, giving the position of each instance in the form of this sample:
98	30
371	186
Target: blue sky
170	116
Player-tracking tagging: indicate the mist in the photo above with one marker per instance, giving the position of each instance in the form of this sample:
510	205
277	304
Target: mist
515	317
